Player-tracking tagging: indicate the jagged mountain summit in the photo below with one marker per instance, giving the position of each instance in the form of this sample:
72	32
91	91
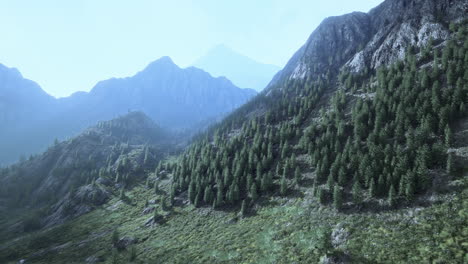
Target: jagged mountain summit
366	41
175	98
241	70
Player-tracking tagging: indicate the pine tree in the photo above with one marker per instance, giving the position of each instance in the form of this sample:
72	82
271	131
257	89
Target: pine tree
162	201
253	192
219	194
208	195
283	186
372	188
196	203
115	237
322	196
392	196
356	192
243	211
250	180
297	176
266	182
122	194
409	186
448	136
156	186
191	192
450	163
338	197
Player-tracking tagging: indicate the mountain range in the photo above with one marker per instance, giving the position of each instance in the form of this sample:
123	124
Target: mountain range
355	152
175	98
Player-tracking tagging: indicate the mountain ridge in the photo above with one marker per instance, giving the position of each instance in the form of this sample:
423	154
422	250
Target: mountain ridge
174	97
374	30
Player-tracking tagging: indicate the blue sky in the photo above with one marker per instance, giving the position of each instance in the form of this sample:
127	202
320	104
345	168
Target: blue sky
68	46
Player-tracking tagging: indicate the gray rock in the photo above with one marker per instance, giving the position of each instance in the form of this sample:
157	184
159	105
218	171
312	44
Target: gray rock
104	181
339	236
125	242
147	210
380	37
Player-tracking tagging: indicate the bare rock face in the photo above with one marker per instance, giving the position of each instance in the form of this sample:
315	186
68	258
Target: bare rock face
330	45
77	203
398	24
363	41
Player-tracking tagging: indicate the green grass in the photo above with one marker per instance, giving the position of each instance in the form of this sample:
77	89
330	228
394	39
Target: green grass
281	231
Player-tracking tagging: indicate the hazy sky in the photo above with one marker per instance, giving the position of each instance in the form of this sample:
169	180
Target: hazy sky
68	46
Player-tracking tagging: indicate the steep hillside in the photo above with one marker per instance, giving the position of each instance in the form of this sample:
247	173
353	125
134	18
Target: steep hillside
385	131
339	160
241	70
113	154
175	98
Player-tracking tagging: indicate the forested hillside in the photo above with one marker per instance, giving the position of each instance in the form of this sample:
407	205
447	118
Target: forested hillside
384	135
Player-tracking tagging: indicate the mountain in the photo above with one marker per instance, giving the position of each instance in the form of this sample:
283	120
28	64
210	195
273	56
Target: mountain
175	98
114	152
20	98
369	40
339	160
241	70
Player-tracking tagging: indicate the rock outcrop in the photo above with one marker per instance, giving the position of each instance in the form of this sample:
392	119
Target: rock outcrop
363	41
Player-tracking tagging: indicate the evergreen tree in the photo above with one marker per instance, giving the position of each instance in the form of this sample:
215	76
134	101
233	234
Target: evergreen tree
243	211
253	192
448	136
162	201
450	163
356	193
156	186
191	192
338	197
297	176
372	188
392	196
322	196
219	194
283	186
208	195
115	237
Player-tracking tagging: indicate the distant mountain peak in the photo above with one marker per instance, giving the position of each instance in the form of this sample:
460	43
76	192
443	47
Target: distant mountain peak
243	71
163	62
10	71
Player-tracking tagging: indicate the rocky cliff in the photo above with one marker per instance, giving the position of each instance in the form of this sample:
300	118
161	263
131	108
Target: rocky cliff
369	40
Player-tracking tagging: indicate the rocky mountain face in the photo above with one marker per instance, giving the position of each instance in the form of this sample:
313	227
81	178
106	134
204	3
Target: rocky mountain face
175	98
241	70
363	41
111	154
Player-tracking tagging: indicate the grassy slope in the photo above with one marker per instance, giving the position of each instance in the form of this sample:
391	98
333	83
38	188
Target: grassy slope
283	230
